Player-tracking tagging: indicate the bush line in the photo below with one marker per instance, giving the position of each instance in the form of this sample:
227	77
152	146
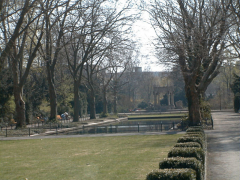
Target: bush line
186	160
180	174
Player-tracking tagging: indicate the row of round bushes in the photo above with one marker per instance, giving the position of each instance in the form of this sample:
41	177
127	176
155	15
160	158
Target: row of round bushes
185	160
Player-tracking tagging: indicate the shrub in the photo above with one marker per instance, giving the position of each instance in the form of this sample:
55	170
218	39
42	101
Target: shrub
176	174
184	122
188	144
143	105
194	135
197	135
195	129
176	163
198	153
103	115
205	109
200	133
236	104
191	139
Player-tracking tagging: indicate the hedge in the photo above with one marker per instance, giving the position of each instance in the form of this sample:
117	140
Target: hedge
191	139
196	133
186	160
195	129
188	144
179	162
198	153
173	174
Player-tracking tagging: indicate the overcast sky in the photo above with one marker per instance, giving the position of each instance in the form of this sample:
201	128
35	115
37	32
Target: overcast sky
144	34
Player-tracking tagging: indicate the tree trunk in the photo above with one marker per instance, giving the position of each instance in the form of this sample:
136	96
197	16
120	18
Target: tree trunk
76	102
115	100
105	111
80	106
20	107
193	105
52	96
17	91
28	111
92	105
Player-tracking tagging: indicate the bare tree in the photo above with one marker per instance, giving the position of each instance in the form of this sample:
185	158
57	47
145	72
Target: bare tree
122	58
21	67
107	64
117	84
234	31
20	40
193	33
130	81
91	25
13	24
55	17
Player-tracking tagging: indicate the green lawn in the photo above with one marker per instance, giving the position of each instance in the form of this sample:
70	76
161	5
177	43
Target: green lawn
84	158
157	115
160	119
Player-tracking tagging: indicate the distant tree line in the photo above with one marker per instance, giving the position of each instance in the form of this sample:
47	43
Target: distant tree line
79	54
58	51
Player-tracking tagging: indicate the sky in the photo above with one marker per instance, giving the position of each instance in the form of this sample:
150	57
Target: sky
145	34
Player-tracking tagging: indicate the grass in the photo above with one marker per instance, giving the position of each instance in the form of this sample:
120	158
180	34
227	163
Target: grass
91	158
160	119
157	115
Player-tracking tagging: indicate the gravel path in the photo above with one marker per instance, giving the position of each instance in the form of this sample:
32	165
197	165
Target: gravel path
223	158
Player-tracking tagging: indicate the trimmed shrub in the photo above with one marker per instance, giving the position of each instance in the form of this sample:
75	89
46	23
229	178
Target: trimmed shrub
198	133
188	144
191	139
195	135
198	153
176	163
195	129
173	174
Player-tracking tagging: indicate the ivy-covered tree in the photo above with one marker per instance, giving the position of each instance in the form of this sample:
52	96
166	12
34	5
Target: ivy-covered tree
236	90
35	91
6	90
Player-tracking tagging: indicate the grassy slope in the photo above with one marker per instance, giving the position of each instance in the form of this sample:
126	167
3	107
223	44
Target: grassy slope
157	115
101	158
160	119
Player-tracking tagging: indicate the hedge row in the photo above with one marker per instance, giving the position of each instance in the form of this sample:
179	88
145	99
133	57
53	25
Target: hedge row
175	174
196	134
195	129
186	160
198	153
179	162
190	138
188	144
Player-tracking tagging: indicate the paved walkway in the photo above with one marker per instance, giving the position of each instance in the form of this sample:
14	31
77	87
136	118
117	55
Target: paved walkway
223	158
